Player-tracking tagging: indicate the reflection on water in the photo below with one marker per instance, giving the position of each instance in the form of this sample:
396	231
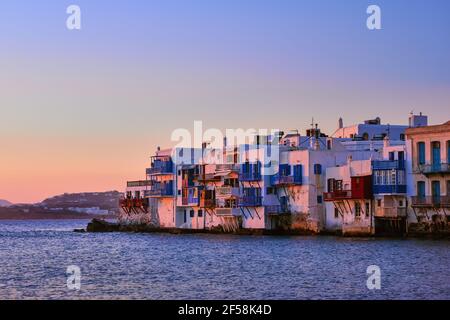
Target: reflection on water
34	256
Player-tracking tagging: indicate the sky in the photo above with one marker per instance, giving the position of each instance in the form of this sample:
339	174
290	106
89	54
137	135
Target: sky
83	110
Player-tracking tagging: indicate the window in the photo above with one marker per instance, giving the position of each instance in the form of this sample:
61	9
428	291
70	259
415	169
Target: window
448	152
402	136
185	216
200	213
179	172
179	192
378	202
319	199
421	189
336	213
365	136
192	213
357	209
331	183
421	152
270	190
393	177
367	209
400	203
391	156
317	169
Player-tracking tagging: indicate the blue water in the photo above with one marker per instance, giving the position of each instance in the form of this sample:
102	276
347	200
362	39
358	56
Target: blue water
34	256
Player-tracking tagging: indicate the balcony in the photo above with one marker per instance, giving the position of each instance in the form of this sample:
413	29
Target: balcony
140	183
224	212
160	190
207	199
388	164
430	201
207	177
250	176
338	195
133	203
430	169
160	167
389	189
394	212
190	197
227	168
250	201
280	180
227	192
277	209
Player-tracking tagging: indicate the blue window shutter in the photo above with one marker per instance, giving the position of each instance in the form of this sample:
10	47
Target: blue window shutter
421	152
317	169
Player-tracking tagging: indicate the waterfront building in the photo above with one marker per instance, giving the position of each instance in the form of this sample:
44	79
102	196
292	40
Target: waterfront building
428	174
311	183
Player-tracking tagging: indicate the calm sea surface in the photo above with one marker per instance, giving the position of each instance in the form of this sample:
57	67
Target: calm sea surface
34	256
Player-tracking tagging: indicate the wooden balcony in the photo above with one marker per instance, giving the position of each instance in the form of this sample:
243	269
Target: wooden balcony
393	212
430	201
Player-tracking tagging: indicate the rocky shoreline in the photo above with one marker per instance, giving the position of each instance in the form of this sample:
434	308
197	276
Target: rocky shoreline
102	226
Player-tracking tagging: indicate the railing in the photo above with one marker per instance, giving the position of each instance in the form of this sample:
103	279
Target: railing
435	168
206	177
250	176
337	195
160	167
395	188
388	164
132	202
250	201
430	201
160	190
207	202
227	167
390	212
276	209
141	183
226	192
228	211
286	180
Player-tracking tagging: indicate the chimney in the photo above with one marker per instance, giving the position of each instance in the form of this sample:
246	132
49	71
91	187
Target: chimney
341	123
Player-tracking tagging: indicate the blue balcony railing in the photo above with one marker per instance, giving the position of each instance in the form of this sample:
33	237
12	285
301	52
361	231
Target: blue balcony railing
250	176
435	168
250	201
388	189
388	164
160	190
160	167
286	180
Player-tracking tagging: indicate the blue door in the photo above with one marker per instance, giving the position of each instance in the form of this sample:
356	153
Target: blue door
436	192
436	156
421	189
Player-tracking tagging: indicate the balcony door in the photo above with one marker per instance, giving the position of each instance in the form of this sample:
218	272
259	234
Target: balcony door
436	155
436	191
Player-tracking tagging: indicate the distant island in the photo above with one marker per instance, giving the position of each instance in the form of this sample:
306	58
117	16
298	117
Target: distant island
85	205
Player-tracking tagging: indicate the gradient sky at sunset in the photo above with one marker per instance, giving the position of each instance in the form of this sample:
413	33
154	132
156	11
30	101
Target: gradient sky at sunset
84	110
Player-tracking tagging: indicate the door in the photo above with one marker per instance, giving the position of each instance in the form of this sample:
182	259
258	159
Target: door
436	155
436	192
421	189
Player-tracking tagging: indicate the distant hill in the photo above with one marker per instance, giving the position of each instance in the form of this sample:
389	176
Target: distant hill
5	203
65	206
103	200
